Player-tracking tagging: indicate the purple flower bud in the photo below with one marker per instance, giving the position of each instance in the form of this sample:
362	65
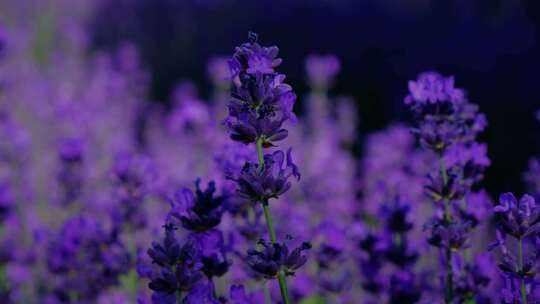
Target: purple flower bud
238	295
179	268
274	258
200	211
272	181
517	218
202	294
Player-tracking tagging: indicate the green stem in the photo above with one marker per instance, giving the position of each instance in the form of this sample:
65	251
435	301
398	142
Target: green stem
267	296
269	222
260	154
270	225
283	288
448	219
522	279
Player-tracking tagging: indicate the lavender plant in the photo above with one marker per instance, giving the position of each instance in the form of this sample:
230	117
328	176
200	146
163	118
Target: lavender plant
96	184
517	239
260	105
447	125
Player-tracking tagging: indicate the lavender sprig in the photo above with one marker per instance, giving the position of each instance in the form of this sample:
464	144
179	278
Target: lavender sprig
447	124
261	102
518	220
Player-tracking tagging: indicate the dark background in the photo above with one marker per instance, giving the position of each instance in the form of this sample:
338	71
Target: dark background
491	46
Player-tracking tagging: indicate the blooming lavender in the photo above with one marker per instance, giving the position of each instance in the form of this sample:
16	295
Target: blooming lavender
179	268
277	258
70	175
321	71
447	125
392	256
87	258
517	239
132	176
76	120
260	104
200	213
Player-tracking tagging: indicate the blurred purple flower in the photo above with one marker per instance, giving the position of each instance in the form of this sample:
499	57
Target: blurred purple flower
321	70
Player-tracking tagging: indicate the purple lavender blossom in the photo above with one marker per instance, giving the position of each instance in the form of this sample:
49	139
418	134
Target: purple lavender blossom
199	211
447	126
177	267
202	294
517	239
132	177
532	177
321	70
261	184
213	252
276	258
238	295
70	176
219	72
261	102
87	258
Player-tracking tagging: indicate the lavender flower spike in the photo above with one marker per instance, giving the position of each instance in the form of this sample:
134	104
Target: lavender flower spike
447	126
260	100
520	221
259	106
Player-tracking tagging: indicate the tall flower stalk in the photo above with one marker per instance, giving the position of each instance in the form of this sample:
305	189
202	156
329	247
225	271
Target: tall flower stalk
517	237
259	106
447	125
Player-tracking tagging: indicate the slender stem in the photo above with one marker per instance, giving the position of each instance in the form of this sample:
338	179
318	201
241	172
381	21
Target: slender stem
270	225
260	154
448	219
283	288
522	279
178	297
269	222
267	296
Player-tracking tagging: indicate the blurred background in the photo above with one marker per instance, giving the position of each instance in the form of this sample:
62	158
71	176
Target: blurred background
109	107
491	46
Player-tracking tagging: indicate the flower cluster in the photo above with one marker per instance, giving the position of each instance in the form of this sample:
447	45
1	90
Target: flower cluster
388	258
261	182
186	270
276	258
261	102
443	114
199	211
132	176
321	70
447	125
70	177
86	258
180	267
517	237
97	202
